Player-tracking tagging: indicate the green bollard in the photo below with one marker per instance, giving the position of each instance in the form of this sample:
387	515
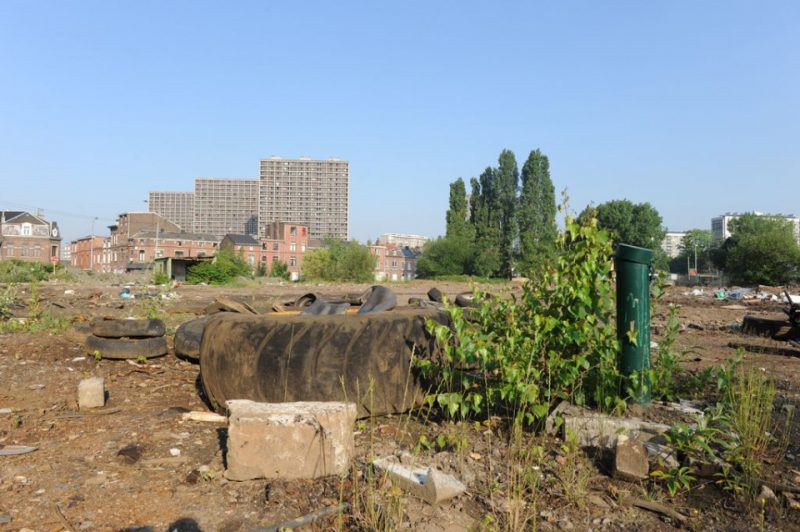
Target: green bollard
632	266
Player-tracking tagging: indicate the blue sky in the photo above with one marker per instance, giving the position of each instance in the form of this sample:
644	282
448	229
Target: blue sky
692	106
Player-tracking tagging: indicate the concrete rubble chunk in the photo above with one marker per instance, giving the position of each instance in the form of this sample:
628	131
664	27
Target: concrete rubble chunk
427	483
593	429
91	393
630	460
300	440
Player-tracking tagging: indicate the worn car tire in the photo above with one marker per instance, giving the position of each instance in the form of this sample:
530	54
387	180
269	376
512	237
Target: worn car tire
122	348
188	338
434	294
467	299
112	328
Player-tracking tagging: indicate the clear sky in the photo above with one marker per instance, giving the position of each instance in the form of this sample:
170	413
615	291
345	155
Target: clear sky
692	106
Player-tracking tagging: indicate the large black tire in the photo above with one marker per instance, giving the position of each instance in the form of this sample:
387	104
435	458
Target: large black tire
112	328
122	348
434	294
188	338
319	358
466	299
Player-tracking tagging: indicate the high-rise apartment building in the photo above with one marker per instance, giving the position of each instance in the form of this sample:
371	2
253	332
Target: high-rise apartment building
177	207
721	225
223	206
305	191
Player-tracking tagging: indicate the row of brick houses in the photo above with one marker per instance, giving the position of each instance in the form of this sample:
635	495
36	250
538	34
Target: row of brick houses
395	263
28	237
137	239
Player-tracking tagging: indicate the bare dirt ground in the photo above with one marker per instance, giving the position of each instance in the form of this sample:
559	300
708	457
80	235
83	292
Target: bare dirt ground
171	475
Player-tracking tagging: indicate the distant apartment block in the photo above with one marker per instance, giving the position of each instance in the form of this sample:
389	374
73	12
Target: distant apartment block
672	243
305	191
403	240
28	237
123	248
223	206
721	225
177	207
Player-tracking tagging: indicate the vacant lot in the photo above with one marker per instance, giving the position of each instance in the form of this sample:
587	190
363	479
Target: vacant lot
171	472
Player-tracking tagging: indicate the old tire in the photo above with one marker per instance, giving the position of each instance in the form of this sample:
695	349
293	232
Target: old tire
467	299
122	348
378	299
434	294
364	359
188	338
112	328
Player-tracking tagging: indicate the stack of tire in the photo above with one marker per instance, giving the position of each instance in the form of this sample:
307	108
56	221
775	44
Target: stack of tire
126	338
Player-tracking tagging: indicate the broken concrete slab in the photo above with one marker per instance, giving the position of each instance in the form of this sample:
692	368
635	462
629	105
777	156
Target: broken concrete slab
91	393
427	483
630	460
593	429
661	455
301	440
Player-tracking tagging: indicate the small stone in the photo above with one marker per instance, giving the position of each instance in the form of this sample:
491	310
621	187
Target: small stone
565	525
598	501
130	454
630	460
5	519
175	451
767	497
91	393
86	525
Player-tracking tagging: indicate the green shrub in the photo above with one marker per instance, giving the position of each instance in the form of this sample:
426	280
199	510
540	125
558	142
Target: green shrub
520	355
160	278
225	267
280	270
17	271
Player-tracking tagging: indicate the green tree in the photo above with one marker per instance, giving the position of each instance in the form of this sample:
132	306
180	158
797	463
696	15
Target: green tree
458	224
450	255
279	270
636	224
537	214
487	230
317	265
696	248
507	176
761	250
225	267
352	262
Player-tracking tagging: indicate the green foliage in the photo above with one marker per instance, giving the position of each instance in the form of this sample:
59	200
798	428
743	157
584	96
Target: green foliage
761	250
636	224
280	270
340	261
517	356
536	215
225	267
697	244
160	278
676	479
450	255
18	271
458	225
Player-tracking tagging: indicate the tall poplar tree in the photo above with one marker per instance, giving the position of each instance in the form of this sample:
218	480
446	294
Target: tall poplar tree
537	214
458	225
507	179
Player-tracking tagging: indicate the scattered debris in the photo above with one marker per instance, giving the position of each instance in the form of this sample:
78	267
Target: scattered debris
593	429
429	484
130	454
307	519
656	507
208	417
13	450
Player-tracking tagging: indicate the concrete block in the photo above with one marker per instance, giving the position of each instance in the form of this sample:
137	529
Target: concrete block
299	440
630	460
427	483
91	393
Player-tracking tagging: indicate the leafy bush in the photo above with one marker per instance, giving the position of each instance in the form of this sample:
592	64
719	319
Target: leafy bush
280	270
518	356
160	278
225	267
18	271
340	261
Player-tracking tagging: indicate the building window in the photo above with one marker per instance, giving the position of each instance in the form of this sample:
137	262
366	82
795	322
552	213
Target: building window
292	247
26	229
37	251
10	250
292	261
274	246
180	243
178	253
274	258
302	248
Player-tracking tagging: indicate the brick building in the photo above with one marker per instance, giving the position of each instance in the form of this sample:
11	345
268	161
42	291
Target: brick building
28	237
282	242
91	253
394	263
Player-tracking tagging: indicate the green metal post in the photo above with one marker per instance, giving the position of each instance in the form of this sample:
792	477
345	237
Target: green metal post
632	266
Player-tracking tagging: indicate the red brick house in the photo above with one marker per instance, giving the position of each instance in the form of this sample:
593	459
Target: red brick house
28	237
283	242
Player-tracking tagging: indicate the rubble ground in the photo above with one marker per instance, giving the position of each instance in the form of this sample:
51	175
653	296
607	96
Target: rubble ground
136	464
